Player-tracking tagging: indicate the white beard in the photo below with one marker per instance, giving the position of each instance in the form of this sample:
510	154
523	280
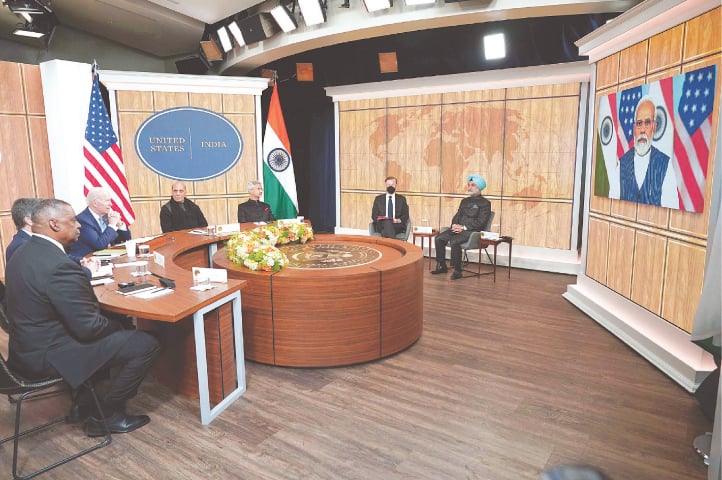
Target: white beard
642	148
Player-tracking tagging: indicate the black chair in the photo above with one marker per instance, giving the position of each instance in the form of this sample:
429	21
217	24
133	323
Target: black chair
473	244
3	318
11	383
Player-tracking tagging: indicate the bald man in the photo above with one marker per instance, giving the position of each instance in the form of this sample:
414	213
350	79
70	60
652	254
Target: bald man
180	213
56	326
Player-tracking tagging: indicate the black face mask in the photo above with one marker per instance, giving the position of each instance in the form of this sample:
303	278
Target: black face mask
390	189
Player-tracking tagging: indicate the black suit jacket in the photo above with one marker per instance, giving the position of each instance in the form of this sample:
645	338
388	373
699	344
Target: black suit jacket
92	239
55	319
380	204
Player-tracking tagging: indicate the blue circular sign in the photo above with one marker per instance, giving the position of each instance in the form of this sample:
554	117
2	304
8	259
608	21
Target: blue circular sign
188	143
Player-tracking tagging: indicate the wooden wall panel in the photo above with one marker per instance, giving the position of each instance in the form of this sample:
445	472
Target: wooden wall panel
665	49
40	157
239	104
133	101
424	210
651	215
536	223
414	100
246	169
147	217
704	36
209	101
11	93
625	210
362	147
633	62
356	209
34	101
608	72
648	272
216	212
597	249
474	96
621	251
142	182
414	147
684	274
165	100
472	143
364	104
15	170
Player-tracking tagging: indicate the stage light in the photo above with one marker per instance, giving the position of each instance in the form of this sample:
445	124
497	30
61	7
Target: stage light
225	39
42	26
376	5
28	31
31	7
304	72
388	63
411	3
312	11
494	46
236	32
211	51
284	18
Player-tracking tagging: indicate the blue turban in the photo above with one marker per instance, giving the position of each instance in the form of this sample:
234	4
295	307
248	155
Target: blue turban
478	180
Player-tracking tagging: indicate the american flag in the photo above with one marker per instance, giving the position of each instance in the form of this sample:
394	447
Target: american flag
627	106
692	133
103	160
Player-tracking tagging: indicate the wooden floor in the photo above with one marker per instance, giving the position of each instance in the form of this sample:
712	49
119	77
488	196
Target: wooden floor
507	379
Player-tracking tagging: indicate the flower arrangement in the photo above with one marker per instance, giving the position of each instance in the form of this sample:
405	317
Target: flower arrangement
256	249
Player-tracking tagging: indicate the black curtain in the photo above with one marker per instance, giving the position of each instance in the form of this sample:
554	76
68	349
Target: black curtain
320	174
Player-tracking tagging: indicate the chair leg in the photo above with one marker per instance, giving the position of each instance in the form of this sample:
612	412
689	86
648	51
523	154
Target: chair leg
16	437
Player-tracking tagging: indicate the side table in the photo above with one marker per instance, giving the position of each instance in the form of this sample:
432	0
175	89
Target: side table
486	242
423	237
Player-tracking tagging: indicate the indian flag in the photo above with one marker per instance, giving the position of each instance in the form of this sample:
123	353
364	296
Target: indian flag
279	182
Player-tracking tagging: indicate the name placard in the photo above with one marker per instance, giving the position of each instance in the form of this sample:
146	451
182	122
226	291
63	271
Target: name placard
188	143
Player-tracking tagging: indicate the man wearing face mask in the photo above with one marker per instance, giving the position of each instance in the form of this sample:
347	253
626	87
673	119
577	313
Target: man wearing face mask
646	174
390	211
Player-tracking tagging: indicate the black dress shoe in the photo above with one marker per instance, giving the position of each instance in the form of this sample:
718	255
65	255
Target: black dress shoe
439	269
456	275
117	423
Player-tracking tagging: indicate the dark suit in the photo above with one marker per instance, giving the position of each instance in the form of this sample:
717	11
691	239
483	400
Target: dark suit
255	211
473	213
18	239
387	228
650	192
176	216
56	325
92	238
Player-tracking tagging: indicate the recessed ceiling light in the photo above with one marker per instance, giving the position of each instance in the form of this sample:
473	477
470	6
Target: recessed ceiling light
494	46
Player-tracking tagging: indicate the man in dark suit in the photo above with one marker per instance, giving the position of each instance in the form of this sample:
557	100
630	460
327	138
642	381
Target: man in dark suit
100	225
390	211
254	210
180	213
56	326
21	212
472	215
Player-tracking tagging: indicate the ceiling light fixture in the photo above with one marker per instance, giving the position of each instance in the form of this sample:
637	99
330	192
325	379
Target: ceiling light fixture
411	3
225	39
236	32
494	46
42	26
313	11
32	7
284	18
376	5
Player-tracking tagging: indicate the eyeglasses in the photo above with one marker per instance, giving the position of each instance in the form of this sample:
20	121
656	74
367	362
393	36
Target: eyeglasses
643	123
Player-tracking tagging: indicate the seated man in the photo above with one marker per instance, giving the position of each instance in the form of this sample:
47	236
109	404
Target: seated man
100	225
390	211
180	213
21	212
472	215
56	326
254	210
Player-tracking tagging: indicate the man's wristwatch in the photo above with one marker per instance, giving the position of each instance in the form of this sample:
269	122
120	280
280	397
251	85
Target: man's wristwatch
463	227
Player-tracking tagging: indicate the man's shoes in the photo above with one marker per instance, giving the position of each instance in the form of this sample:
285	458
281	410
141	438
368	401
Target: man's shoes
439	269
456	275
117	423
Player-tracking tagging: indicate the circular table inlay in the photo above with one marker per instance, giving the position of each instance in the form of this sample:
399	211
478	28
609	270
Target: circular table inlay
329	255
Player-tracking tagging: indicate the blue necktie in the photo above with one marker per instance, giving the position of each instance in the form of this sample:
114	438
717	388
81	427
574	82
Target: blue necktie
102	223
390	208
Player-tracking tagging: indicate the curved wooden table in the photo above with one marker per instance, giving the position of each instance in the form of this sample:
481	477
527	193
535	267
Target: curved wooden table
332	317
